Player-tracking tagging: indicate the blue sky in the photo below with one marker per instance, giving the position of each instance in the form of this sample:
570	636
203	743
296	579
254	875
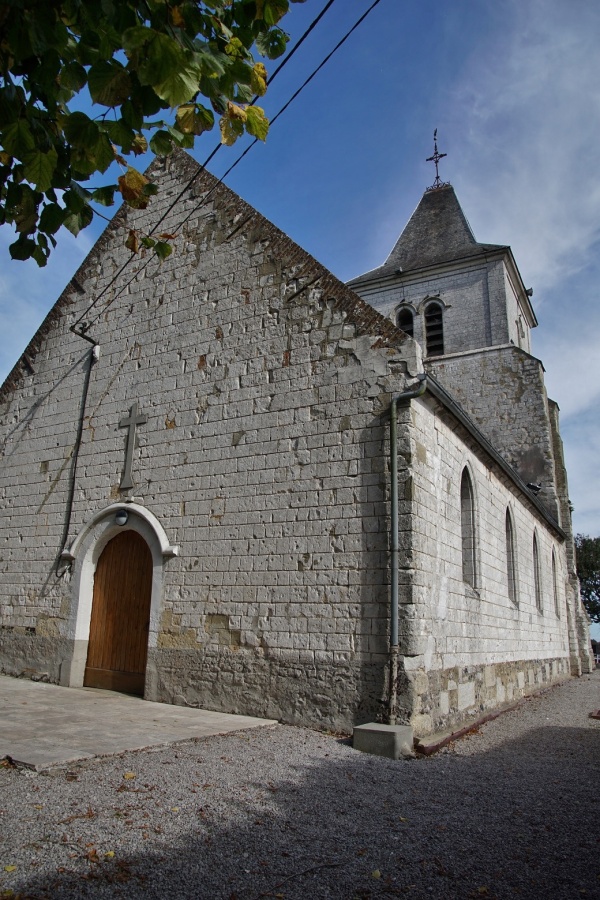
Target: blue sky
513	89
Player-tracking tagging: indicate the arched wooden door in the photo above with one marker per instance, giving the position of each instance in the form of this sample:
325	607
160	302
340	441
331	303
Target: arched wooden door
118	645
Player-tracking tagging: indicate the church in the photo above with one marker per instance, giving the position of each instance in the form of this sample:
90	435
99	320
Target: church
231	481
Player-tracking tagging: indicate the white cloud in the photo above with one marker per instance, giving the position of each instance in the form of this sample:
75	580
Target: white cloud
527	110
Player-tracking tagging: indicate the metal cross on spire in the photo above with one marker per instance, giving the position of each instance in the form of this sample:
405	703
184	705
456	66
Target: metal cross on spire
438	183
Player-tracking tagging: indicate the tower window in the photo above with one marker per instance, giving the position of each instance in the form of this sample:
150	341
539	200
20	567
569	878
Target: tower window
511	562
467	528
406	322
434	329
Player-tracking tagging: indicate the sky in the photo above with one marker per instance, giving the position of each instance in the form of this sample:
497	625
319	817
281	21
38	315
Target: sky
513	89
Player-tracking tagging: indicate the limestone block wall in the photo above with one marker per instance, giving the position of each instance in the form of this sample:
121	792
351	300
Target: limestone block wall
477	297
263	381
503	391
472	649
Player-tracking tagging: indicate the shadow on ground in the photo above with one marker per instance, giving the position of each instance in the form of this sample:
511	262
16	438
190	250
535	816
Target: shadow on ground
518	821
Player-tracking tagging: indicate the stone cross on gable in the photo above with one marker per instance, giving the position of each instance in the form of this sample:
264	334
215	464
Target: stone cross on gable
130	422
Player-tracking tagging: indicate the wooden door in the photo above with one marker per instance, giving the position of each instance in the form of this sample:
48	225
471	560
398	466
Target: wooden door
118	644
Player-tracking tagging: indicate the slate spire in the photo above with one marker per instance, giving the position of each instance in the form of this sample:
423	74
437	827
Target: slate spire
437	232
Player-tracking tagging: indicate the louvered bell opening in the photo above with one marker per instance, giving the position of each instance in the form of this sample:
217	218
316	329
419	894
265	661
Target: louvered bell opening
434	330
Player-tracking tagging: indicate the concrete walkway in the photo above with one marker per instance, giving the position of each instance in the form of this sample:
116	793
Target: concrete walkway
43	725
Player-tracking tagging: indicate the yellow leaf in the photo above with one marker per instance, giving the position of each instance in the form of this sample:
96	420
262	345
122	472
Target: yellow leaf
258	79
232	124
38	806
376	874
132	243
140	144
132	185
10	868
176	18
257	123
235	48
174	809
109	854
235	112
129	775
402	819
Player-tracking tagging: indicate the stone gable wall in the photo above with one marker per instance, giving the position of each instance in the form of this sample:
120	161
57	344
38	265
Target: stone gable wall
264	382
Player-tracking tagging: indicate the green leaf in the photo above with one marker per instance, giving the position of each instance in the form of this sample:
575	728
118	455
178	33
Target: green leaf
17	138
105	195
256	122
109	83
148	243
51	218
73	76
193	118
162	249
244	94
180	86
103	154
120	133
272	43
23	248
39	168
80	130
76	222
25	214
161	143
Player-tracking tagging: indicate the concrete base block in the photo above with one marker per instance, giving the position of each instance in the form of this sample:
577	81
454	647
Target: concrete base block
391	741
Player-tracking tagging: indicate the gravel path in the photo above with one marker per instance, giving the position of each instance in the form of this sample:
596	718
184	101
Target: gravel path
512	811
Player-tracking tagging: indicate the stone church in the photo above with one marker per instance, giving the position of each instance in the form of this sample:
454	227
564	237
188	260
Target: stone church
231	481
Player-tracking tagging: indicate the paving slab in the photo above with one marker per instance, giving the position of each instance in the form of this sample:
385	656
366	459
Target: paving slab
44	725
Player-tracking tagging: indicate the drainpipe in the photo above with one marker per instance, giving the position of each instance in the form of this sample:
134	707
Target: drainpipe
403	398
94	355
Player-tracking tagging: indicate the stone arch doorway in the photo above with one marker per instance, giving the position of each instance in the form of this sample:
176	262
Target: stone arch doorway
84	555
120	620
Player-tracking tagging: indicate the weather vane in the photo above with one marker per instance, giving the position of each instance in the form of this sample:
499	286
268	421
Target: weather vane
438	183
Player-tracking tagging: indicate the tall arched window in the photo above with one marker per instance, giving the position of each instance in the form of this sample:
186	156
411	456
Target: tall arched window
434	329
467	528
555	587
406	322
511	561
537	575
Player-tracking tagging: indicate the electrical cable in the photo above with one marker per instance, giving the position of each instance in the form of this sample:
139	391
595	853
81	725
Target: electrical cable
234	164
203	165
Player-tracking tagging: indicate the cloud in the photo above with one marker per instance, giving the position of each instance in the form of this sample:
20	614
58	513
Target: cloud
582	451
527	108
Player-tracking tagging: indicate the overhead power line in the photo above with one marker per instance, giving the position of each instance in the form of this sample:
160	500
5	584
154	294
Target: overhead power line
207	196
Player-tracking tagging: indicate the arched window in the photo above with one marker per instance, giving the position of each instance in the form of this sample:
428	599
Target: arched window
511	561
434	330
405	321
537	575
467	528
555	587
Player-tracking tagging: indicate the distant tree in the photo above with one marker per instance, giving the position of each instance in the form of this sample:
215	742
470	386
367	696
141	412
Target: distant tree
134	59
588	570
